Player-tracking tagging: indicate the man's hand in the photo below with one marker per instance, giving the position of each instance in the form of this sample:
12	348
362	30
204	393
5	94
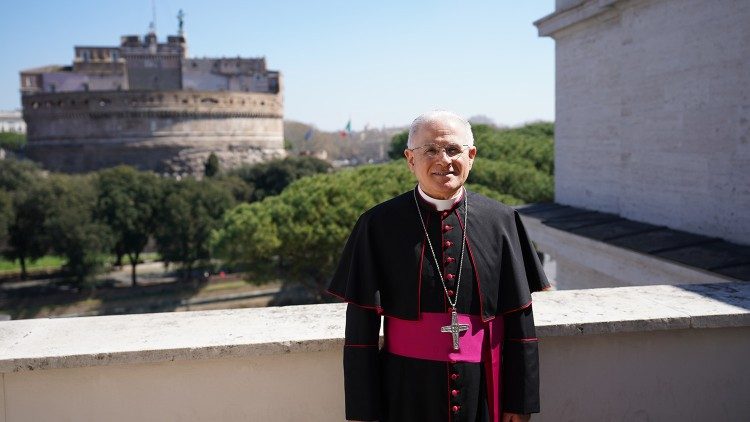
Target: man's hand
515	417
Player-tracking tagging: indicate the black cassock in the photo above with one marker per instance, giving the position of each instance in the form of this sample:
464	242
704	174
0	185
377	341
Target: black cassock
387	269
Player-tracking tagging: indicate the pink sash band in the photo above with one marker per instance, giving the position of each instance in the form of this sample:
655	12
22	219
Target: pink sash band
482	342
423	339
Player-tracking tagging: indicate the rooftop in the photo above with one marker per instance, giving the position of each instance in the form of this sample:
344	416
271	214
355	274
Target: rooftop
692	250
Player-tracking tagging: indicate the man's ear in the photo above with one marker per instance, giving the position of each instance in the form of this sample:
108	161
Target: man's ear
409	154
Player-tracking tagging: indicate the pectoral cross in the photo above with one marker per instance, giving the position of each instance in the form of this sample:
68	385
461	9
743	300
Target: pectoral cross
455	328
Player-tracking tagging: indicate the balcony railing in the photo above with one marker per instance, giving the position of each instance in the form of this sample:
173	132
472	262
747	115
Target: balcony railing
658	353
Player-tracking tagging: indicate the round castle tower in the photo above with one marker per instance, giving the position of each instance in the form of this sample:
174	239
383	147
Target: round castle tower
166	131
147	105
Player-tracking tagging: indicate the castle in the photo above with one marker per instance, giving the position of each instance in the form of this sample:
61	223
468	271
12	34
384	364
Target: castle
146	104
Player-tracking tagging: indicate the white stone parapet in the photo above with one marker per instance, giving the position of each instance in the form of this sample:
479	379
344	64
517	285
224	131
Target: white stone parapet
579	330
34	344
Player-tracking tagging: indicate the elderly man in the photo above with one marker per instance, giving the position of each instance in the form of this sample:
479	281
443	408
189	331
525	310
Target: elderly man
451	272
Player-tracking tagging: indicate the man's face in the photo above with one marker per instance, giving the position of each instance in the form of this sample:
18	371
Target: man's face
440	176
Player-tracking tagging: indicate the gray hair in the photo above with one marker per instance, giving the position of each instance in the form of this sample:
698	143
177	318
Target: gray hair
438	116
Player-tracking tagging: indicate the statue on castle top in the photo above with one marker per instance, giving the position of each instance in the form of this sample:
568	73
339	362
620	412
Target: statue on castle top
180	22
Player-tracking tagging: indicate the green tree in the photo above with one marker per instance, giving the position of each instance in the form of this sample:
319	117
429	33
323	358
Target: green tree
28	239
398	145
523	182
307	224
190	211
15	174
6	216
531	145
268	179
211	168
248	235
127	203
73	228
241	191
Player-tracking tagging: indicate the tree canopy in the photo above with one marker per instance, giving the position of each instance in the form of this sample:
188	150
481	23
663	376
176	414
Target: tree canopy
75	232
270	178
190	211
292	214
128	203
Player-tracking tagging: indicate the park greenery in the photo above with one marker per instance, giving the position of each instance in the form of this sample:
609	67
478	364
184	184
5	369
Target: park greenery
290	217
12	141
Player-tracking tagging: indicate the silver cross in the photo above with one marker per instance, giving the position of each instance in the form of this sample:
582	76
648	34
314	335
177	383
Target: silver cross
455	328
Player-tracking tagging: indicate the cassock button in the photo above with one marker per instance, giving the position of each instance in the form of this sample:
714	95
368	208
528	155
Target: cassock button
447	228
445	214
447	244
449	277
454	376
454	393
450	259
451	293
456	409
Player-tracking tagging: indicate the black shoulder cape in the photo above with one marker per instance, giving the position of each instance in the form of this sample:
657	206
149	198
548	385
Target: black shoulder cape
381	261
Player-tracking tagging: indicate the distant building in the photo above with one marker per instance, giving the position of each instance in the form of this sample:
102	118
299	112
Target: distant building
11	121
147	104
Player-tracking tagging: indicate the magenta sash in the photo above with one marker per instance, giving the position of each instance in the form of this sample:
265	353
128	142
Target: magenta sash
422	339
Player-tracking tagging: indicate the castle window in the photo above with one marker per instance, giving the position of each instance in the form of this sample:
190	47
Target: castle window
86	55
210	100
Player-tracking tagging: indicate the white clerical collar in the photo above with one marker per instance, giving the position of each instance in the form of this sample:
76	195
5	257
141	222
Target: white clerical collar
440	204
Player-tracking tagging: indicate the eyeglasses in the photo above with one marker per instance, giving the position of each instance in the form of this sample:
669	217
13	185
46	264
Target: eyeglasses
451	150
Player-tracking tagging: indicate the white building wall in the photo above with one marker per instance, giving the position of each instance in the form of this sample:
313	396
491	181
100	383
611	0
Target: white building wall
653	111
11	121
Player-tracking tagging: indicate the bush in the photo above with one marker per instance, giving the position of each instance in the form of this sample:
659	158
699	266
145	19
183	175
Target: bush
268	179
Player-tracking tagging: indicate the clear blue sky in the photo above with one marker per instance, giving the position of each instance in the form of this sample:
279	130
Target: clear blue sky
380	63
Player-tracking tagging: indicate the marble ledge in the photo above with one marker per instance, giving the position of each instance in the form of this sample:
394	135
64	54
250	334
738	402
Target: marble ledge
37	344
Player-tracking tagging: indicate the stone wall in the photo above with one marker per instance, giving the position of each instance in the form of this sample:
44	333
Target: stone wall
238	75
654	353
165	131
653	111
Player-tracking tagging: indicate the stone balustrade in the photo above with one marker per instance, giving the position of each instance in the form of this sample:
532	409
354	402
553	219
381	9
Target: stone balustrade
628	354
